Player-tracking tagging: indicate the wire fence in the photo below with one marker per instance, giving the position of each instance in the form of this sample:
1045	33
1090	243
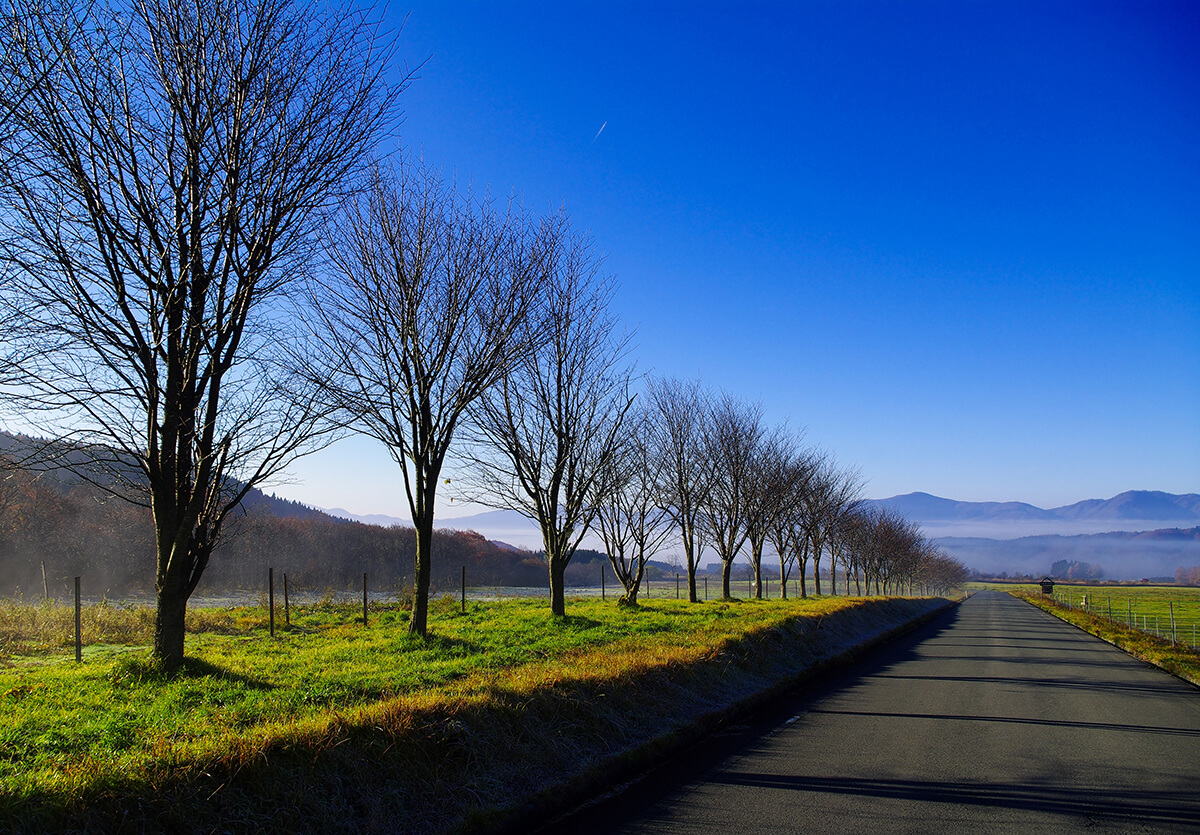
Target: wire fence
1175	624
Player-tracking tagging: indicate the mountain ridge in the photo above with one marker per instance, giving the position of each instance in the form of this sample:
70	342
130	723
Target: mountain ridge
1129	506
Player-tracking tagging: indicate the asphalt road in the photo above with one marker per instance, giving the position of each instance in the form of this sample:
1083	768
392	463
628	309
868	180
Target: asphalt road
996	717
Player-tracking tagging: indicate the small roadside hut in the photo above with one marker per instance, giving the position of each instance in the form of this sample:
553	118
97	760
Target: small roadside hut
1047	585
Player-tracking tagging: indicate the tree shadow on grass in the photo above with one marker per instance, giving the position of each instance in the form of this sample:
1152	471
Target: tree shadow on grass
142	669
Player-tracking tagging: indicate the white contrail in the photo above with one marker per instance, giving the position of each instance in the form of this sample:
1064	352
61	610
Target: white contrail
597	136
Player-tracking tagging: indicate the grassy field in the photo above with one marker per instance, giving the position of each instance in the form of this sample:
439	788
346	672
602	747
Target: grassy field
332	725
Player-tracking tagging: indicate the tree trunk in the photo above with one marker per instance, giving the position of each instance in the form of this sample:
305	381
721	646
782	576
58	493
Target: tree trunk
558	601
833	576
690	549
782	581
169	626
630	597
422	571
756	560
816	575
726	570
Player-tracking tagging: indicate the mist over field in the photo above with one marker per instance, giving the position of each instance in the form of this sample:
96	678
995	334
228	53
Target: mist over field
1134	535
1122	556
1018	529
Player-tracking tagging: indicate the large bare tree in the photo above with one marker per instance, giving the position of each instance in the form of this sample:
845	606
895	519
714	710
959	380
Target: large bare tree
842	488
678	413
551	427
425	311
170	165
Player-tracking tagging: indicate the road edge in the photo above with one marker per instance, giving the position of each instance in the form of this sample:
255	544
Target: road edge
1182	675
623	772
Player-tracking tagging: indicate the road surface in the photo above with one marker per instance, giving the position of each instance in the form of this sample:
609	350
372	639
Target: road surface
997	717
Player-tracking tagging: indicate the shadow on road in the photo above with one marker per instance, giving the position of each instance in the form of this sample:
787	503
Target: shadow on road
1150	807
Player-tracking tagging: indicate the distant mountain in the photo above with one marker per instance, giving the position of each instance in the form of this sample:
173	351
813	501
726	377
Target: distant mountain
923	507
1137	505
1130	506
379	519
63	466
506	528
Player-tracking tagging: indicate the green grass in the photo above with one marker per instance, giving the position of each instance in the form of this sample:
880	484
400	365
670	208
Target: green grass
500	702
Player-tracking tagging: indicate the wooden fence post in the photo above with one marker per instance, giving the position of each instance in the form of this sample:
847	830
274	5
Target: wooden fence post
364	598
464	589
287	615
271	599
78	625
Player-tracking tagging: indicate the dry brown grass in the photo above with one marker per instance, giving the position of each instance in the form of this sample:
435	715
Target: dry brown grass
28	628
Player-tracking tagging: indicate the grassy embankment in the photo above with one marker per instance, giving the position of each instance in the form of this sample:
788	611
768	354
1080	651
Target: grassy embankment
332	725
1147	601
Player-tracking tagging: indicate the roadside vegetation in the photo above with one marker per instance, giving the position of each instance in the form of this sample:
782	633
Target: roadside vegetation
1178	658
333	725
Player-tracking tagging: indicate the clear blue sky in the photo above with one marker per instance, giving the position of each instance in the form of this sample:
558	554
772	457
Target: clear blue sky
958	242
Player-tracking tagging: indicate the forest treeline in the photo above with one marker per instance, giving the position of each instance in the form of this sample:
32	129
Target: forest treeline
79	530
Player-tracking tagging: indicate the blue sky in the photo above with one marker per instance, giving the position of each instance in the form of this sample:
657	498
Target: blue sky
958	243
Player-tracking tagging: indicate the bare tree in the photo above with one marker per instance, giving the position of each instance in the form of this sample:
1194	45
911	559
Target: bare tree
678	420
425	312
840	543
550	429
735	431
852	541
900	543
843	499
786	532
880	542
633	523
767	492
170	166
831	493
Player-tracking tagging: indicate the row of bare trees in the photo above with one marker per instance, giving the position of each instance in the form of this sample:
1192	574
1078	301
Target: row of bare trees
886	553
703	471
208	269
